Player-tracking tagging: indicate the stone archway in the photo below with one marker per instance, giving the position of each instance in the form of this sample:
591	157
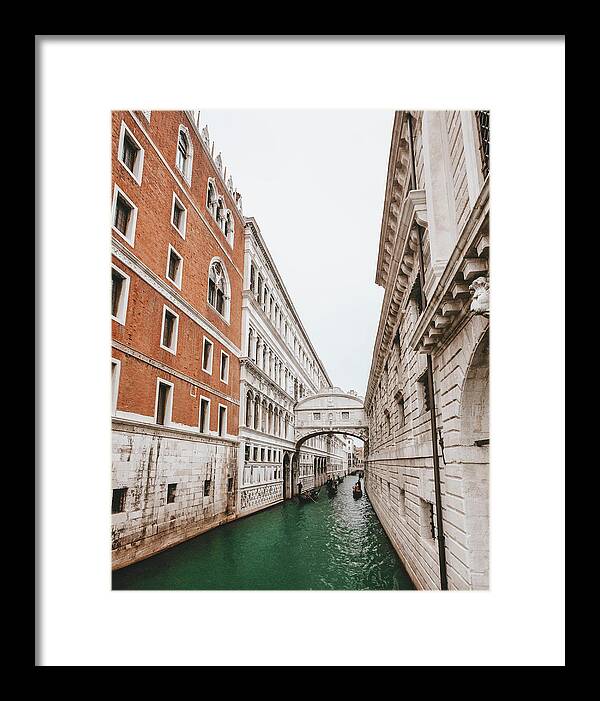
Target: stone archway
474	445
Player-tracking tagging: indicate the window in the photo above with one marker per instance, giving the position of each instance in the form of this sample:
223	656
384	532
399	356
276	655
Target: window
316	416
115	375
247	453
204	423
229	227
402	503
171	489
124	216
131	154
224	367
174	267
207	356
218	289
345	415
400	402
178	216
184	156
424	398
222	425
211	198
118	500
170	325
483	127
220	213
427	522
206	488
164	402
120	294
255	454
230	484
416	297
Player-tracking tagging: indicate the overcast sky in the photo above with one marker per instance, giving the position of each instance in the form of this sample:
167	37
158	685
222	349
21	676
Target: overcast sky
314	180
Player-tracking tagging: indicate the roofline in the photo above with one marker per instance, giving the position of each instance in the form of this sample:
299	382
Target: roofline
251	221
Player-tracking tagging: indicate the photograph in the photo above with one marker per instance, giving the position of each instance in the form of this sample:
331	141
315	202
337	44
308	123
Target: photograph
240	460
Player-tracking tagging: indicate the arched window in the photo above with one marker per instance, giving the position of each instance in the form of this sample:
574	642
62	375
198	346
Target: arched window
249	409
211	198
229	227
220	215
184	153
218	289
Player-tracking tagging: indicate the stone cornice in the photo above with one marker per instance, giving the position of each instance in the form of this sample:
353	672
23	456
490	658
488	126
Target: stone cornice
171	371
253	368
402	259
449	303
397	183
119	424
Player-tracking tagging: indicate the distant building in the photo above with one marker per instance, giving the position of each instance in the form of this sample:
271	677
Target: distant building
436	206
279	367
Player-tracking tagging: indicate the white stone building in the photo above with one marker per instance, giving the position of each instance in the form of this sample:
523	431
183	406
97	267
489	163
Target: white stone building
279	366
436	219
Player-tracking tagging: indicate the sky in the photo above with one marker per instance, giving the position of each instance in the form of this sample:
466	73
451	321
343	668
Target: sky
314	180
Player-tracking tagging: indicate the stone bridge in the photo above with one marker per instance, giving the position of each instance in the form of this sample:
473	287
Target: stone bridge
330	411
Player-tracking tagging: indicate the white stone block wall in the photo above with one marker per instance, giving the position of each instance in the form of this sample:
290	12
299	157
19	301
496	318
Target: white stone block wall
145	461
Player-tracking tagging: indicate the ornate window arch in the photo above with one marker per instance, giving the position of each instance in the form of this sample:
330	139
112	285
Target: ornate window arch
185	153
229	227
211	196
219	288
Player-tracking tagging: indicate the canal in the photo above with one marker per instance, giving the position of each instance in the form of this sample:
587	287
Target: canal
335	543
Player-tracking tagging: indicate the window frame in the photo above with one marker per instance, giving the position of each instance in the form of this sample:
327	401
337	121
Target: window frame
225	379
169	408
177	282
173	349
115	382
124	301
137	172
129	236
207	416
212	353
177	199
227	294
220	432
187	168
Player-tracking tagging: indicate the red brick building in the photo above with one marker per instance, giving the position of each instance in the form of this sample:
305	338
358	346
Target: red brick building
177	274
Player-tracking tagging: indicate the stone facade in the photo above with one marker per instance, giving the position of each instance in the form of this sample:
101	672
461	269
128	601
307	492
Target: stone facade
279	367
436	202
177	276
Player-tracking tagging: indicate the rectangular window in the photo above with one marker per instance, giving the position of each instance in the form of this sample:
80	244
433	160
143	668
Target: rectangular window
131	154
401	416
345	415
179	216
424	393
174	267
171	489
163	403
120	294
427	522
115	373
262	454
170	324
118	500
230	484
222	426
247	453
206	488
224	367
207	355
204	423
124	216
402	503
316	416
255	452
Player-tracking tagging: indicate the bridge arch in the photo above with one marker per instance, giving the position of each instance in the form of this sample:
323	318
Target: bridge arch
330	411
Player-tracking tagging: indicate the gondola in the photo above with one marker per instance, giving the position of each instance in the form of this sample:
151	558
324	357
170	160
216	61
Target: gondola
340	480
357	491
309	495
332	488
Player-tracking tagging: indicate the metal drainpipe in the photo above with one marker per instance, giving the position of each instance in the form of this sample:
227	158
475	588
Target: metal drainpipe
430	388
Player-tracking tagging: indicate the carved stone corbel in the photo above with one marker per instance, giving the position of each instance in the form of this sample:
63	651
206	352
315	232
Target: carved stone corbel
480	304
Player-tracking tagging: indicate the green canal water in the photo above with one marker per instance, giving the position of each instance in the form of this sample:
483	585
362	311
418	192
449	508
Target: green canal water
335	543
